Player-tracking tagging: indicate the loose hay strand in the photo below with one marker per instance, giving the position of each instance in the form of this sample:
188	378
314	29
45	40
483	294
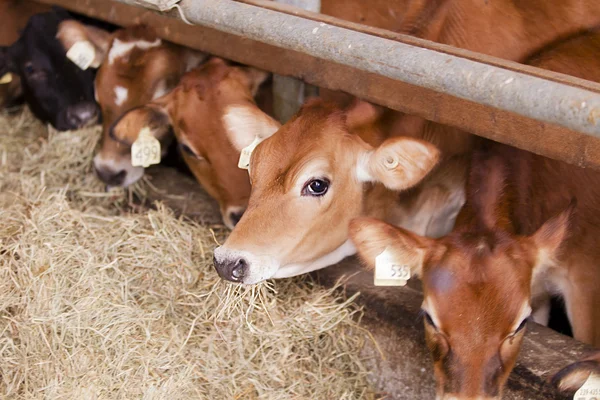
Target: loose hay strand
97	302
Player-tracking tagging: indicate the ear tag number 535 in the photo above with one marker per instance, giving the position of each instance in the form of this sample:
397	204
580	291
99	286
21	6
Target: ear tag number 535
145	151
388	272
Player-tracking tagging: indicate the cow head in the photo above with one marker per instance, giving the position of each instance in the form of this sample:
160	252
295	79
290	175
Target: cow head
134	67
200	111
56	90
477	289
308	181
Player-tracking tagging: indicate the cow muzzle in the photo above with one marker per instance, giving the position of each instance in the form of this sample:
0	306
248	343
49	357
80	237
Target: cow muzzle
116	173
243	267
81	115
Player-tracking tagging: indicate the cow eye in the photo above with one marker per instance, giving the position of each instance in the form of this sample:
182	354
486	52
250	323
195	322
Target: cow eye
188	150
428	320
315	187
28	68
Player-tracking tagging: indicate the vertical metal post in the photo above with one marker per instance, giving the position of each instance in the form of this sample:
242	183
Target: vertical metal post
289	93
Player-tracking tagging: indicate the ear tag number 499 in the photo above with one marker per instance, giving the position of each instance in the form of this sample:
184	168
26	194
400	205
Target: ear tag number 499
145	151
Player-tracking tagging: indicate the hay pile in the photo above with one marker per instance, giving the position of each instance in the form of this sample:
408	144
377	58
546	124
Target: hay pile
97	302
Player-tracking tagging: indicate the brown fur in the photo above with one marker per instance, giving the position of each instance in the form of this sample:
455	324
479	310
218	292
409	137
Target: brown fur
518	235
14	15
337	139
141	72
194	111
144	73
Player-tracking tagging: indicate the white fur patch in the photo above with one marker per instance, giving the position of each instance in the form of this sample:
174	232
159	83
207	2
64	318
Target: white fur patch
244	123
123	164
345	250
121	94
194	59
524	313
362	167
227	215
119	48
161	90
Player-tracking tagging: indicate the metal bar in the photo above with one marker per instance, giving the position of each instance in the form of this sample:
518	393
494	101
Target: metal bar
506	90
547	139
426	44
289	93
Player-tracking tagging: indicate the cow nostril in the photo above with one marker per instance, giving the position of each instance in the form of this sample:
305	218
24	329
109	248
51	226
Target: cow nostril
238	269
81	114
110	177
235	217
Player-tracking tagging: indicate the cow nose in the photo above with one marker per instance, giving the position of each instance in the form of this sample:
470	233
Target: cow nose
110	177
231	270
82	114
235	217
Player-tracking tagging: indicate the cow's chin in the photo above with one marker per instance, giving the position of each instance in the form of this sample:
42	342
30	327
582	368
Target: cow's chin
133	175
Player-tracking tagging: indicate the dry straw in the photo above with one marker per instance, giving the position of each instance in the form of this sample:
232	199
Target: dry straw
97	302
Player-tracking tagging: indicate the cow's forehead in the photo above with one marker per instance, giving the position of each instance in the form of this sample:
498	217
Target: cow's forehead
313	134
315	128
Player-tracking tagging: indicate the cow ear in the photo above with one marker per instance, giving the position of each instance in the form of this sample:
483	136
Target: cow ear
153	117
398	163
71	32
255	78
361	113
6	61
551	235
373	237
244	123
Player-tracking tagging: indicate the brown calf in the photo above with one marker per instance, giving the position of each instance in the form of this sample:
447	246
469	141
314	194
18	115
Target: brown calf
518	239
196	110
134	67
320	170
296	240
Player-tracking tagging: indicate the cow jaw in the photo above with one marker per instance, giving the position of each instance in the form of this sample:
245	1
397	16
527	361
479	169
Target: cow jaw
247	268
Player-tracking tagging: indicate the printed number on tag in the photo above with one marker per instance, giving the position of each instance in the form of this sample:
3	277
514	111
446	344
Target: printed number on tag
145	151
590	389
388	272
244	162
82	54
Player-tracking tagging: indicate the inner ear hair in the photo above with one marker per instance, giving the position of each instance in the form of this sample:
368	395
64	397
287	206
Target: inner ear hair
256	77
361	113
149	116
372	237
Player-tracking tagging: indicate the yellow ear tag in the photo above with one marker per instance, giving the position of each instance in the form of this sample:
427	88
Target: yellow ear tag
244	162
6	78
590	389
82	54
145	151
388	272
